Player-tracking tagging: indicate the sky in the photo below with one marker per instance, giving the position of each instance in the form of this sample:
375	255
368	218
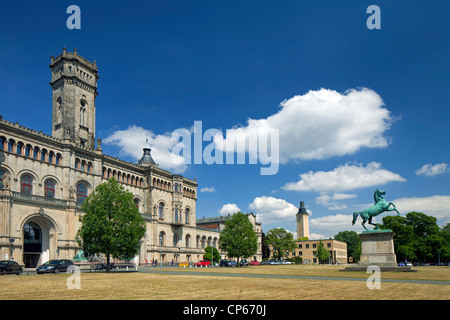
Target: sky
350	109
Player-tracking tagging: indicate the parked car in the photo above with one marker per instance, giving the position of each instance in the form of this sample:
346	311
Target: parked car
232	263
10	266
401	264
223	263
243	263
408	264
203	263
254	263
285	262
264	262
273	261
54	266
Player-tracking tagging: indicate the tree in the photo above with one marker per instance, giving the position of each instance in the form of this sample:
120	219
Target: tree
238	238
111	224
215	254
282	242
321	253
353	241
418	237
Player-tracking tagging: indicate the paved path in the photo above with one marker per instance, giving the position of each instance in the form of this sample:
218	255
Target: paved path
273	276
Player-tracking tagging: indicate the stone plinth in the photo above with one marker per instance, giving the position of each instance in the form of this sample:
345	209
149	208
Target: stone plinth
377	248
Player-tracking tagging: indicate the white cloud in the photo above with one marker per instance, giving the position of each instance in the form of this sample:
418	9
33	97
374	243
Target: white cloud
344	178
317	125
331	201
271	210
208	189
432	170
229	208
322	124
436	206
132	140
330	225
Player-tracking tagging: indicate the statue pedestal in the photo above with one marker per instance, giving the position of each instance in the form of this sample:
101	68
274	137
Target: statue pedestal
377	248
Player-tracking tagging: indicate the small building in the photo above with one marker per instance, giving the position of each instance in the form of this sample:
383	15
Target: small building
218	224
306	249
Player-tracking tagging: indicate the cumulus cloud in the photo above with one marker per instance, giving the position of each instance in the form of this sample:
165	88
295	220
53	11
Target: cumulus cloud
269	209
436	206
332	200
432	170
321	124
316	125
132	140
344	178
330	225
229	208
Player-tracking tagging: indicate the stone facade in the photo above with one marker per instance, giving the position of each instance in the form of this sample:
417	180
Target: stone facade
44	180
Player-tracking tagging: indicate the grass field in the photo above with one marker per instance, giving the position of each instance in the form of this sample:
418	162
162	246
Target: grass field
150	285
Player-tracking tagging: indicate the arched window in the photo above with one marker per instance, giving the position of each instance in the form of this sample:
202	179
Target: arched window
81	193
26	184
203	242
28	149
176	215
162	236
49	188
43	154
186	216
2	143
136	202
19	148
175	240
36	152
188	240
51	156
161	211
1	178
58	158
11	144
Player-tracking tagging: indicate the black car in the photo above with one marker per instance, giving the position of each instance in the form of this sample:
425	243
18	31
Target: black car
54	266
9	266
223	263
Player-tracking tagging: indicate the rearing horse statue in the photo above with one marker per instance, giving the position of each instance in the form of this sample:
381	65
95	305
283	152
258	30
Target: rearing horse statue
380	206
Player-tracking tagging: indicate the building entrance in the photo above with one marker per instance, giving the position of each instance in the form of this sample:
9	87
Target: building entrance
32	244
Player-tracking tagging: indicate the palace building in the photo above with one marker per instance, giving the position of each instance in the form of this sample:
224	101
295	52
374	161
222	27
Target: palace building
44	180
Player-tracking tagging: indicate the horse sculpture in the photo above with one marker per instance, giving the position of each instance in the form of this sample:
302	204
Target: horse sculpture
380	206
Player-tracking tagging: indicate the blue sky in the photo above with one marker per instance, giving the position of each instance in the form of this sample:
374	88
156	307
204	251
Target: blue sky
357	109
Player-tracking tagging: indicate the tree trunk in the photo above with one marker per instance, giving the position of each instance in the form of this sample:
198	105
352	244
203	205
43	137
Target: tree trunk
107	262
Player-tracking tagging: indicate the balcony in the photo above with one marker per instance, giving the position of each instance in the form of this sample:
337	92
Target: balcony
36	200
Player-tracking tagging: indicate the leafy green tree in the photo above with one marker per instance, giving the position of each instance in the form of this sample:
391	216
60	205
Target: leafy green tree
353	241
111	224
238	239
418	237
215	254
321	253
282	242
